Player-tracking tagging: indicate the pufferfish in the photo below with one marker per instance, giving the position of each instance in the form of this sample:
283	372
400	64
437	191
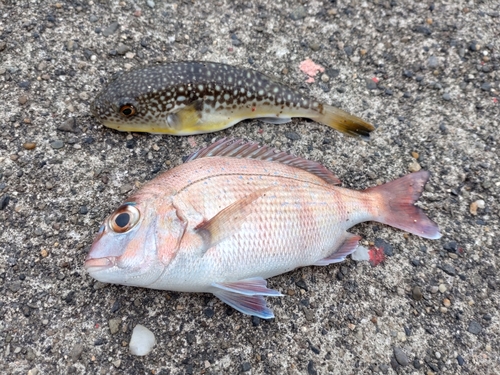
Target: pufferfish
185	98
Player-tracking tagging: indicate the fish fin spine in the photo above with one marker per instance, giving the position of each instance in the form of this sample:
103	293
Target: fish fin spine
397	205
238	148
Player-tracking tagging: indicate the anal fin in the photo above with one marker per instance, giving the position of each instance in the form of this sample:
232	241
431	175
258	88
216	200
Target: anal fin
348	247
275	120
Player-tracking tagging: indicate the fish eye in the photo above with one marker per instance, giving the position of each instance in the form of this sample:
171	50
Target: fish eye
128	110
124	219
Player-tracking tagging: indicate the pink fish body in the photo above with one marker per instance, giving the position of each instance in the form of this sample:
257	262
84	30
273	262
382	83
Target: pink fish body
236	214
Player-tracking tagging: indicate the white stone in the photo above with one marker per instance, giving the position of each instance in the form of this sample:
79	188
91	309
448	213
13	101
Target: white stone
361	253
142	341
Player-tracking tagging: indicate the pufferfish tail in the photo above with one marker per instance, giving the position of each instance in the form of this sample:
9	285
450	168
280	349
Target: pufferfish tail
344	122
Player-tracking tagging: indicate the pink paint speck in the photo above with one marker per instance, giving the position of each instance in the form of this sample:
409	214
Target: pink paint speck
311	69
192	142
375	79
377	255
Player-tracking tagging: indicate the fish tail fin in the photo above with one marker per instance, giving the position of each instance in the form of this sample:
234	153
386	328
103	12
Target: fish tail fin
397	205
344	122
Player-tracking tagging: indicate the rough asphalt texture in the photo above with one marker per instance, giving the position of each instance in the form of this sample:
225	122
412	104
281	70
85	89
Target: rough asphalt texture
427	74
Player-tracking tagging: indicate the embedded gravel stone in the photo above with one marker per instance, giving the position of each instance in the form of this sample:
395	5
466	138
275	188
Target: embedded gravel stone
475	328
401	357
57	144
111	29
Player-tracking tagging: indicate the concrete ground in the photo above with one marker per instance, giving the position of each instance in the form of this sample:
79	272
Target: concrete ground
426	73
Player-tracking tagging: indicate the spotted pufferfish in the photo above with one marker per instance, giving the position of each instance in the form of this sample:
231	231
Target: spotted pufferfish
185	98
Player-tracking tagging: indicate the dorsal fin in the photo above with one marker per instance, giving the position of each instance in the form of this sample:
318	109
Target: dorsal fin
238	148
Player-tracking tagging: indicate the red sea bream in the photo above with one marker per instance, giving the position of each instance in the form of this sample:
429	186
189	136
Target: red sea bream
237	213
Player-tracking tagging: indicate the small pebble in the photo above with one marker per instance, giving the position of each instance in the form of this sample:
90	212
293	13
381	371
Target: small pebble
76	352
114	325
370	84
474	46
29	145
15	286
401	357
68	126
314	46
298	13
449	269
433	62
245	367
417	293
44	253
474	206
23	99
142	341
442	288
447	97
111	29
414	166
446	302
292	136
150	3
475	328
122	49
57	144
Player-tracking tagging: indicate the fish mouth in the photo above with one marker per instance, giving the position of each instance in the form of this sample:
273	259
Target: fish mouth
98	264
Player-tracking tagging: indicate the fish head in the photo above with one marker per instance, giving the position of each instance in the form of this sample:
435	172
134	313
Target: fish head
116	110
133	101
135	244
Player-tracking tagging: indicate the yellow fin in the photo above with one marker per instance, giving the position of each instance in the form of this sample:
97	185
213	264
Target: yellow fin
344	122
228	221
186	117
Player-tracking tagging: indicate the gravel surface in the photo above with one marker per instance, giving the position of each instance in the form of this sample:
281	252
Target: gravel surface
426	74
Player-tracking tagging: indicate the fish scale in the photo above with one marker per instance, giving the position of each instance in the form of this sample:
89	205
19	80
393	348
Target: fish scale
183	98
223	224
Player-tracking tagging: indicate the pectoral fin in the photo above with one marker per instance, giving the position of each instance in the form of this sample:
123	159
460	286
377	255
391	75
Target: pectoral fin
246	296
187	117
248	287
228	221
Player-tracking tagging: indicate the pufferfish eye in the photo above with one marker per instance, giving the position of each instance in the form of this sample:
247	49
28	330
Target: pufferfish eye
128	110
124	219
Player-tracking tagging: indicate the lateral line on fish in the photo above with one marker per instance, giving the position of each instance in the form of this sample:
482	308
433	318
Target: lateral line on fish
250	175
